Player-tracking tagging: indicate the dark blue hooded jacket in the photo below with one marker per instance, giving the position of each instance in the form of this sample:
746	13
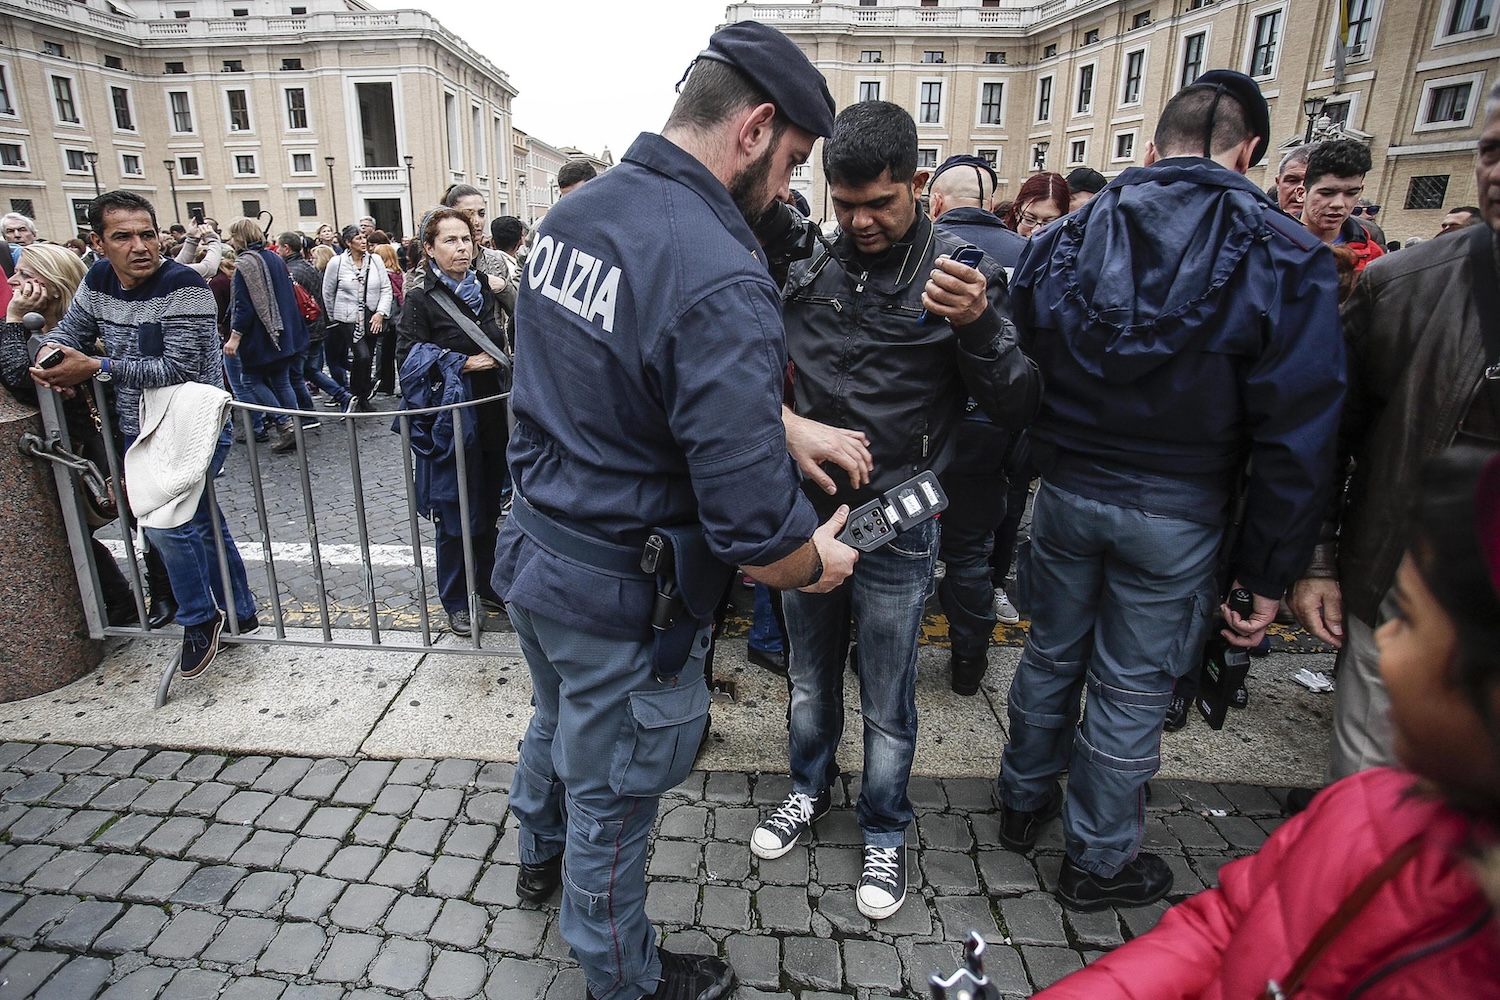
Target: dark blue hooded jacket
1182	325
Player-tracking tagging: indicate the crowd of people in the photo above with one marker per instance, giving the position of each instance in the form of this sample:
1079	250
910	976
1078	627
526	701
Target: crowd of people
1229	403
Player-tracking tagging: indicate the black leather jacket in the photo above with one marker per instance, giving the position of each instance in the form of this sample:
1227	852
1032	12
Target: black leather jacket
864	362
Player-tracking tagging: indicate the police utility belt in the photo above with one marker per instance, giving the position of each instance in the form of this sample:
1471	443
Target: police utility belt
689	579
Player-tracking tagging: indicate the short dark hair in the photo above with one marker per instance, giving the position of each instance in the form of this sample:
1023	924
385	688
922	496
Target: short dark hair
575	172
1471	209
506	231
870	138
117	201
714	92
1179	130
457	191
292	241
1339	157
177	229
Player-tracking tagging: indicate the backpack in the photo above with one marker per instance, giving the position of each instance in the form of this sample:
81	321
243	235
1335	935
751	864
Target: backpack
306	304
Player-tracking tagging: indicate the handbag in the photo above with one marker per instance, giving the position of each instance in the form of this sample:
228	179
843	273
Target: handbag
306	304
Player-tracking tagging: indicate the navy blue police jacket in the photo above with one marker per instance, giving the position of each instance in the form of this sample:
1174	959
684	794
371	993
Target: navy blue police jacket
1183	324
648	378
985	231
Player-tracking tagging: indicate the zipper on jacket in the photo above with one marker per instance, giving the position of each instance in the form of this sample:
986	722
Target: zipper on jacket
859	283
924	445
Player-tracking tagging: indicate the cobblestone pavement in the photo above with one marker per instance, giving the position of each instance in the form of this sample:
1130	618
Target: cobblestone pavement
135	874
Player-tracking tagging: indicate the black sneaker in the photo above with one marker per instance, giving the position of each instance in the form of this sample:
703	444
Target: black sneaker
1139	883
200	643
882	887
778	832
536	883
692	977
1019	828
460	623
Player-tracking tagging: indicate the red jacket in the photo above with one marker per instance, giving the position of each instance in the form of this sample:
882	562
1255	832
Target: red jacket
1429	932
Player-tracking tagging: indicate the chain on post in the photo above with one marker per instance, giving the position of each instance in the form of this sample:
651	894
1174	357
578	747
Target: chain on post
33	446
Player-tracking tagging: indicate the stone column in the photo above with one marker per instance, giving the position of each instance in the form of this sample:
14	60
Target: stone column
44	641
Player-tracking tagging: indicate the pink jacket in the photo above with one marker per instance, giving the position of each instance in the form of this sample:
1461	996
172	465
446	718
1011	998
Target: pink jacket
1429	932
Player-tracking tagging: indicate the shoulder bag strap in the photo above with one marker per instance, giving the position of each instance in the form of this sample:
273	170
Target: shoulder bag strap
469	327
1341	918
1486	285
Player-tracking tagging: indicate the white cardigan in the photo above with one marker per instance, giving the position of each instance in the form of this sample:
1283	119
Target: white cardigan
341	288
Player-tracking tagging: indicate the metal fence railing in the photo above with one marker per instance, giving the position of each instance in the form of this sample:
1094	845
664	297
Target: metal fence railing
351	485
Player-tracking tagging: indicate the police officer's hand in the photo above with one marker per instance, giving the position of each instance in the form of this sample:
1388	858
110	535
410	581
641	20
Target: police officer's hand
812	444
1248	632
955	292
480	362
838	558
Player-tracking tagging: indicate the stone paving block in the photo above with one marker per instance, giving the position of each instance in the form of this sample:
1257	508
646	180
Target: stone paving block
926	794
690	941
412	771
80	828
421	836
401	869
455	975
470	840
444	803
812	962
838	827
1207	867
727	787
203	767
218	843
284	773
293	950
59	874
18	865
312	897
10	779
42	758
508	851
241	939
362	906
792	868
205	800
25	973
209	886
128	833
498	886
331	993
120	794
1100	929
195	984
83	924
10	813
1195	834
347	958
321	780
34	789
948	872
837	865
872	964
353	864
1035	918
284	814
487	807
454	773
12	752
35	823
264	849
243	807
76	791
734	824
1200	796
363	784
80	979
727	862
188	933
970	794
163	764
9	901
253	988
412	916
495	777
36	914
961	914
144	983
668	902
397	800
110	876
675	859
1006	873
1185	880
1241	832
1048	965
945	832
686	822
162	797
401	964
79	760
519	979
1140	919
452	878
783	908
725	906
376	829
460	924
308	854
245	771
135	929
262	892
171	838
1251	800
517	932
756	958
122	762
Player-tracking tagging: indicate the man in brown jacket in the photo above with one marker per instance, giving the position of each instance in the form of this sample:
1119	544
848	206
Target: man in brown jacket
1420	379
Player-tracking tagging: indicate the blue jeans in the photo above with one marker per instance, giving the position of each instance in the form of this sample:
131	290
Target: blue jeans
765	633
297	376
975	484
1120	604
235	372
885	597
312	371
605	741
193	563
270	385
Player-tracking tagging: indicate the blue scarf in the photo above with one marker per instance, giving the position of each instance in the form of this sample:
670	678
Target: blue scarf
468	290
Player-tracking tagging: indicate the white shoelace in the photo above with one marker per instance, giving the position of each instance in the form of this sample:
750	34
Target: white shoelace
794	812
881	864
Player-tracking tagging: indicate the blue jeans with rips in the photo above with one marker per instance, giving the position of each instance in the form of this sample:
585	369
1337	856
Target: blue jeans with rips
606	740
884	598
1120	604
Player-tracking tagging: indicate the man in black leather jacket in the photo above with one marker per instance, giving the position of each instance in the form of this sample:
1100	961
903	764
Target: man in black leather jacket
867	360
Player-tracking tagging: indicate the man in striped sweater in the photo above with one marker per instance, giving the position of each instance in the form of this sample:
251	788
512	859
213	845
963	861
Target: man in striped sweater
152	323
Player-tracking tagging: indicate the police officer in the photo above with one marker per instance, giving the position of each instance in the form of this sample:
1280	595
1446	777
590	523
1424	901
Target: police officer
649	360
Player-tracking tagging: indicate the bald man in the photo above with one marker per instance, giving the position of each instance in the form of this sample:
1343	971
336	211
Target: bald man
960	190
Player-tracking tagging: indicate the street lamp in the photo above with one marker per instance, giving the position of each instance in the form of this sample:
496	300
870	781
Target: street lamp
333	197
171	166
411	198
93	158
1039	155
1312	107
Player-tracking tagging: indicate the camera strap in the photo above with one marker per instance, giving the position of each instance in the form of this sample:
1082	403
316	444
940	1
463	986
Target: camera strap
1486	285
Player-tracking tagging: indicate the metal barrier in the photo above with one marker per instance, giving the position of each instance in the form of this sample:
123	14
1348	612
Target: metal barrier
72	473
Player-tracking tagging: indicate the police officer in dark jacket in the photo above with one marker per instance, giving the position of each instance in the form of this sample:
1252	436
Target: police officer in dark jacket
649	362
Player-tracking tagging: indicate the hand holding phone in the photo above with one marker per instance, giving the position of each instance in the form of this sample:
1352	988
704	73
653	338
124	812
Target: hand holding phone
968	255
50	358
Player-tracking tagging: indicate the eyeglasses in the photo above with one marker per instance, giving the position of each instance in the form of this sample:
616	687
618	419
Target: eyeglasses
1026	218
1363	210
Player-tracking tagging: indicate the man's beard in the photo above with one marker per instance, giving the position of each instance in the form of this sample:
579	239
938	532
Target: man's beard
748	187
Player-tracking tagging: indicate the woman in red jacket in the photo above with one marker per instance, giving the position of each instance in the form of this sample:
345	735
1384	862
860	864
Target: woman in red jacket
1414	845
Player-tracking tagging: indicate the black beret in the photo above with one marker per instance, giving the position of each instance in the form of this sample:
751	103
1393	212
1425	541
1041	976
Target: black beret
966	160
775	64
1247	93
1086	179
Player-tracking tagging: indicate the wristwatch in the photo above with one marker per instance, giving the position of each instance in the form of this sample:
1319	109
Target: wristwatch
103	374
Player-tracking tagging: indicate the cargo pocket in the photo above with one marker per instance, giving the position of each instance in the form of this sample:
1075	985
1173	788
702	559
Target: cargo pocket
660	737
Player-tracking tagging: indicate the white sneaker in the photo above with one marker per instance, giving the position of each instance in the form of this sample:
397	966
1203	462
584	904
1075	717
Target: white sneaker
1004	610
882	887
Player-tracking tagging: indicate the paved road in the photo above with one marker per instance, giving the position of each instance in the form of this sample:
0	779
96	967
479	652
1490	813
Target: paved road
128	873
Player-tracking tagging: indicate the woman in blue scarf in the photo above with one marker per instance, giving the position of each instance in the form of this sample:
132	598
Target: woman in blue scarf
452	305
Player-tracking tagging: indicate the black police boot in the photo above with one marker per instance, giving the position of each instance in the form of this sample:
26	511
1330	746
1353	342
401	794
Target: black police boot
1142	881
1019	828
536	883
163	609
968	671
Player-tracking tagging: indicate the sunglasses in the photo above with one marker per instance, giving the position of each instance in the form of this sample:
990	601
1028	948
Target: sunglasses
1371	210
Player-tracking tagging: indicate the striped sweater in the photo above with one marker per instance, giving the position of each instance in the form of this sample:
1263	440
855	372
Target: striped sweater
161	332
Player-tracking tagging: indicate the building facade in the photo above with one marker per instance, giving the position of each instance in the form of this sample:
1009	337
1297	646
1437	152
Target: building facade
1067	83
312	110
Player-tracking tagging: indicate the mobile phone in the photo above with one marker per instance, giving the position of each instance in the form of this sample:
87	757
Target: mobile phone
50	359
198	217
968	255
